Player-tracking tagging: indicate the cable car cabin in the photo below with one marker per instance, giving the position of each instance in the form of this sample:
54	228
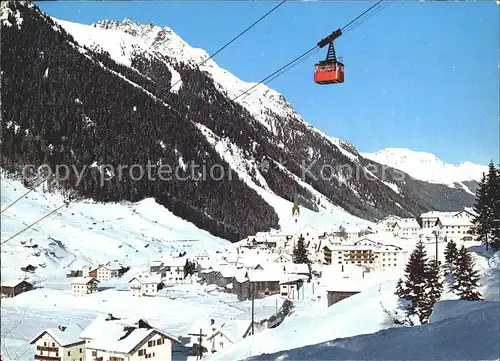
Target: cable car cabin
329	72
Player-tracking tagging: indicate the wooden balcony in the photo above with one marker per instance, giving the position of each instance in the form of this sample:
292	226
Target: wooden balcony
47	358
47	348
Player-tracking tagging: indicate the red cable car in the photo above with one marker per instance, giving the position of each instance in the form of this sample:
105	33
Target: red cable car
330	70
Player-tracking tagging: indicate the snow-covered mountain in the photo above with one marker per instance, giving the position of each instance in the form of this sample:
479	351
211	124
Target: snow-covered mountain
428	167
119	93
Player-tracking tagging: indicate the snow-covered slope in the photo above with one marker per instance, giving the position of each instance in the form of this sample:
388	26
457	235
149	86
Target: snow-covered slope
87	232
427	167
454	337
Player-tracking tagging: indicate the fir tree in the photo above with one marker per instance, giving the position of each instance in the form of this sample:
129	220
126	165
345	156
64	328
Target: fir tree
494	198
400	290
300	252
434	289
450	253
466	278
481	221
415	285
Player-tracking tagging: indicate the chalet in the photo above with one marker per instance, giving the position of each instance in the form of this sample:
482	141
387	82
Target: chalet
207	275
241	286
406	228
430	219
145	285
174	269
350	254
60	343
106	272
264	283
456	228
112	338
290	286
387	224
83	286
156	266
14	287
225	275
389	257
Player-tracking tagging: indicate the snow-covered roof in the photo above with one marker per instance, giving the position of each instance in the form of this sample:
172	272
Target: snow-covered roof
227	271
407	223
437	214
453	221
63	335
147	279
388	217
264	276
12	282
83	280
297	268
174	262
118	335
292	279
155	263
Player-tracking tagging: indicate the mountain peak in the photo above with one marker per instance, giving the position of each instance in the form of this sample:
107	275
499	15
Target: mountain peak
427	166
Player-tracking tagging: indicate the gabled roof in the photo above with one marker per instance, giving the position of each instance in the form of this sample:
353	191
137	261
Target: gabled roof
119	335
13	283
452	221
83	280
437	214
388	217
147	279
64	336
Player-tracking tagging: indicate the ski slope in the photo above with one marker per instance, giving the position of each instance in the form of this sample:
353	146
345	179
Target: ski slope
88	232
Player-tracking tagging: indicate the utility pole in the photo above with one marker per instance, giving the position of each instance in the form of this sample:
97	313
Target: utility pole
253	314
436	234
200	339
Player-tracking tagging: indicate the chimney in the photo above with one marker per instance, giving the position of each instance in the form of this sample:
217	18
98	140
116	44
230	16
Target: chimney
62	328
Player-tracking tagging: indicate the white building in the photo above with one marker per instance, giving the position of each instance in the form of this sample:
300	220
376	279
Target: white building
111	338
290	286
430	219
387	224
406	228
83	286
389	258
456	228
145	285
105	272
174	270
60	343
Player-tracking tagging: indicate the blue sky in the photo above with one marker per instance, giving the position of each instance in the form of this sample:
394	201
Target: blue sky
419	75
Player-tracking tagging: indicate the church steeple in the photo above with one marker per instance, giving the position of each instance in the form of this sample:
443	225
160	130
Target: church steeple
295	208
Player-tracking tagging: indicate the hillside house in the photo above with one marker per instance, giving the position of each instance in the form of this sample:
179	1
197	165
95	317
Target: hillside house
111	338
264	283
290	286
105	272
60	343
456	228
406	228
430	219
241	286
202	257
225	275
74	273
387	224
11	288
349	254
207	275
174	270
29	268
145	285
156	266
83	286
389	258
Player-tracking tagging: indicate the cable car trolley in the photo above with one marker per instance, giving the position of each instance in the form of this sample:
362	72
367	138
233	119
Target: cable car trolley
330	70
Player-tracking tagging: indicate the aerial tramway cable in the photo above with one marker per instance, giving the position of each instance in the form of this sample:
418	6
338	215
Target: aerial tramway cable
348	27
236	37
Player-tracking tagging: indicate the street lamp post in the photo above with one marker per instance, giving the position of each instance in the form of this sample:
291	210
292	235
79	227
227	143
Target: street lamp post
436	233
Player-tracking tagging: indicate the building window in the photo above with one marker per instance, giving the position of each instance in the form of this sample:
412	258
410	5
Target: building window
45	343
81	350
94	353
69	353
53	344
141	352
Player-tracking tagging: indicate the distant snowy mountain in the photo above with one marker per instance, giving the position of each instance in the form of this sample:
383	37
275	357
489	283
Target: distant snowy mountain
427	167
